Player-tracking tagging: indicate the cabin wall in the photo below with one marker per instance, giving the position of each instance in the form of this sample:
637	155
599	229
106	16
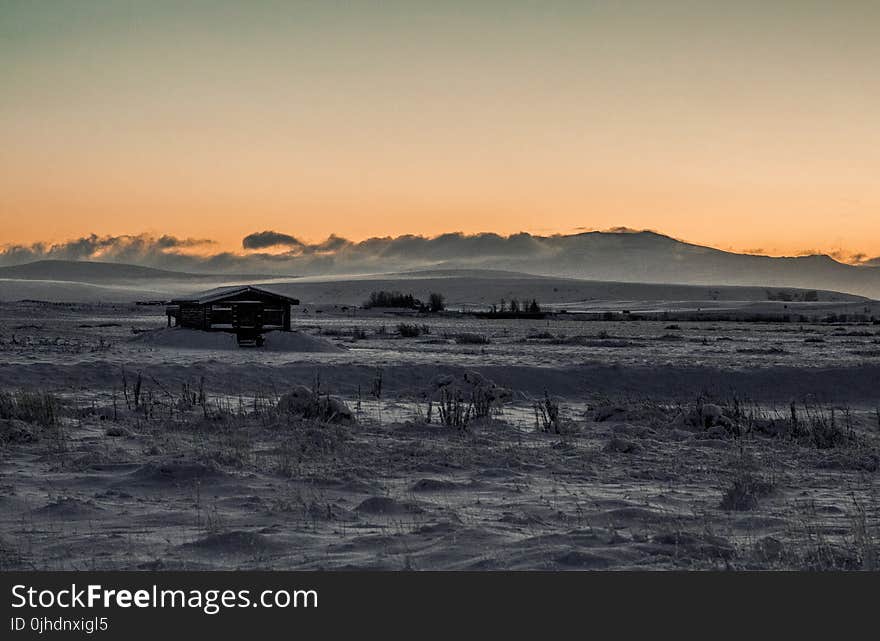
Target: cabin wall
192	315
218	316
226	314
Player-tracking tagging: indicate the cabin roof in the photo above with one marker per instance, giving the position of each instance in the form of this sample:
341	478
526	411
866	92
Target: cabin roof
219	293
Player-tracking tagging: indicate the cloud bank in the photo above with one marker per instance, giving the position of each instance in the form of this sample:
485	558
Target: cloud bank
142	249
616	255
289	255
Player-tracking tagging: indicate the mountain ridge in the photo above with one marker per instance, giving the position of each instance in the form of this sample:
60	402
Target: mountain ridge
105	271
634	257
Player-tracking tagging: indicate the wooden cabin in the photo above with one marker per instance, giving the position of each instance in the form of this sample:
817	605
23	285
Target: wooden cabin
245	310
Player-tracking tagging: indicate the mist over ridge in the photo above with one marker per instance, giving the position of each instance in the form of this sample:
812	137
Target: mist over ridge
618	255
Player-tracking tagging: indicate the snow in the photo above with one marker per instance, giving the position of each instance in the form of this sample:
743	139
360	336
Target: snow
633	482
182	338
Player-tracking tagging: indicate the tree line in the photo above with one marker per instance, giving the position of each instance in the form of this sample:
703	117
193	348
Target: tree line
517	307
382	298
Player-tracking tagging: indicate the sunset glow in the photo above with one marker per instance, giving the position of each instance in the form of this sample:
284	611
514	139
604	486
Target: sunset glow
748	126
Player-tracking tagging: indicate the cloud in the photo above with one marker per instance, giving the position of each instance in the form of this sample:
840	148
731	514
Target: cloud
333	243
169	242
865	261
338	253
138	249
266	239
843	256
334	254
625	230
592	254
619	229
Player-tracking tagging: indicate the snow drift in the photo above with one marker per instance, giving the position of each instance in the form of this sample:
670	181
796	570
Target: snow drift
181	338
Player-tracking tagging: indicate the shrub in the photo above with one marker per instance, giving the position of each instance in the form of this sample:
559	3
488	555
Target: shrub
312	404
411	330
436	302
392	299
454	410
30	407
465	397
820	428
547	415
744	492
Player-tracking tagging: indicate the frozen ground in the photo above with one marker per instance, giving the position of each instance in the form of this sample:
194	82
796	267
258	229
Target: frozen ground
675	446
83	348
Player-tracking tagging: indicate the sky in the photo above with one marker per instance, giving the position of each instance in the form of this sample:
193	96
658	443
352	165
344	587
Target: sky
746	125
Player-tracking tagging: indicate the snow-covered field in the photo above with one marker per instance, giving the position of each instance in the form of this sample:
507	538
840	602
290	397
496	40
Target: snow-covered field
83	348
696	444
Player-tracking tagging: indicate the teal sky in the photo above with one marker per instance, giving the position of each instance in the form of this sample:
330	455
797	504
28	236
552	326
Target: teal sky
742	125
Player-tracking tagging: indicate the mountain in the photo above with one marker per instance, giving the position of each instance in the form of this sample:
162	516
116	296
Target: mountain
649	257
55	291
478	289
632	257
99	272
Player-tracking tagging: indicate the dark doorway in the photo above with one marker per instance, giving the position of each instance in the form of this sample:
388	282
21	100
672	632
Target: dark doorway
248	316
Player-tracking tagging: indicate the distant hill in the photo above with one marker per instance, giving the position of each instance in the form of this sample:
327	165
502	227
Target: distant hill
630	257
98	273
622	256
471	288
466	273
478	289
648	257
55	291
634	257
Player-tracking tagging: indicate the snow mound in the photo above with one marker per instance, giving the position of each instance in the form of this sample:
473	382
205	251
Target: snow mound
234	542
298	342
182	338
388	506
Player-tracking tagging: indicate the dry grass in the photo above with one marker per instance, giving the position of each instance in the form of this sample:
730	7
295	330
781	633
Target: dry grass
558	484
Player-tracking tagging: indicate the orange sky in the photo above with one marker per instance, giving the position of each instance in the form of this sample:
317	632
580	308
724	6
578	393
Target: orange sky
746	128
